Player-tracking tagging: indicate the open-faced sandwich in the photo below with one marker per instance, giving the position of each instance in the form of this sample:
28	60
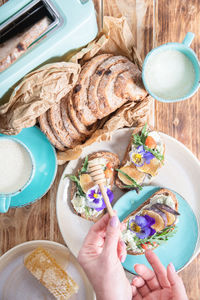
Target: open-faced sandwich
86	197
143	157
152	223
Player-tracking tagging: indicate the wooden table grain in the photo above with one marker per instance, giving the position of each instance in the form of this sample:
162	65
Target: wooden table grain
153	22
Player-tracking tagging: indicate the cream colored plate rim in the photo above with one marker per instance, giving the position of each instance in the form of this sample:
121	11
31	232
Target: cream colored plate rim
180	173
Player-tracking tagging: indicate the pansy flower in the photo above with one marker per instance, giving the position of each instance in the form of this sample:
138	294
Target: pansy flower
95	198
141	225
139	156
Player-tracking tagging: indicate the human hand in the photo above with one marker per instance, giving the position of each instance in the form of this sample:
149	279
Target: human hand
100	258
158	284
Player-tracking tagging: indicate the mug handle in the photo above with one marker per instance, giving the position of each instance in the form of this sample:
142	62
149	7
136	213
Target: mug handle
188	39
4	203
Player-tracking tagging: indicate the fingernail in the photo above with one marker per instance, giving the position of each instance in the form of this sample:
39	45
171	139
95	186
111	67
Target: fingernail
122	244
123	258
134	280
172	267
114	221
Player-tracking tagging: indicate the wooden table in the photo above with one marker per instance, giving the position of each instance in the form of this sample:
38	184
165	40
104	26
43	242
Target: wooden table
153	22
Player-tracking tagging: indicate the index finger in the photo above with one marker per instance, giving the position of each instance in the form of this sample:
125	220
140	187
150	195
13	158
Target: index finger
96	230
148	276
158	268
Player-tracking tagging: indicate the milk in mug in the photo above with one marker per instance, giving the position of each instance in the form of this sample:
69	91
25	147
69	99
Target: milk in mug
15	166
169	74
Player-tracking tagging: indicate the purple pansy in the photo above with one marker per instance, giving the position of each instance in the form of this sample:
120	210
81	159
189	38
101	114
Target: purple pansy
95	198
139	156
141	225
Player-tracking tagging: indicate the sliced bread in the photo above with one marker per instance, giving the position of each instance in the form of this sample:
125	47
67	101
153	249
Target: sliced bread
79	97
93	100
57	126
129	85
76	135
87	131
16	46
46	129
108	101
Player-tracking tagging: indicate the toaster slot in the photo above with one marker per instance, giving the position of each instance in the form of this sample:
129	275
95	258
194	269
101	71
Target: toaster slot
27	17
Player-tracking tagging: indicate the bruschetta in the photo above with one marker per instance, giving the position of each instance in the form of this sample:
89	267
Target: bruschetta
143	158
152	223
86	197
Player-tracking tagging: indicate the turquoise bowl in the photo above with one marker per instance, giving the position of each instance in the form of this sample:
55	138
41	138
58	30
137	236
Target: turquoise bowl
179	249
45	165
183	47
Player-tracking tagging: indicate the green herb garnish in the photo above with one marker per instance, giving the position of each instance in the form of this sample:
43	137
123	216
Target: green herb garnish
84	167
134	185
139	140
76	180
155	152
87	212
159	237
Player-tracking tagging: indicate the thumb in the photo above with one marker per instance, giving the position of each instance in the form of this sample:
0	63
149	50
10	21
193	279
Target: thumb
112	235
177	286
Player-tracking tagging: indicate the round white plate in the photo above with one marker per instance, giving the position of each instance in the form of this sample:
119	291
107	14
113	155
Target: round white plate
181	173
18	283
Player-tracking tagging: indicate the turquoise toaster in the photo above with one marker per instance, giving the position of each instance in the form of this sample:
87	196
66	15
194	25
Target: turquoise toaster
72	25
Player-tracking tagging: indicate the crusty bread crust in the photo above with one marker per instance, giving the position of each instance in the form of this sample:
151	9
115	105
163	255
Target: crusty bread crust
159	192
67	122
57	126
87	131
129	85
79	97
114	160
46	129
93	100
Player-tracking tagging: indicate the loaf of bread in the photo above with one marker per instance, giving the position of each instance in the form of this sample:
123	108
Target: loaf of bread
105	83
45	268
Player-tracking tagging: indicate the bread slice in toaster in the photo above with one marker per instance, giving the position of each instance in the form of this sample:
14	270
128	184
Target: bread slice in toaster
19	45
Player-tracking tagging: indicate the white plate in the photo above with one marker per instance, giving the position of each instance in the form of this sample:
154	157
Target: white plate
17	283
180	173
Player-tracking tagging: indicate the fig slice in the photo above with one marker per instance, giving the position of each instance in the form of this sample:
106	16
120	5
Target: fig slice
167	208
133	173
159	222
160	212
86	182
170	217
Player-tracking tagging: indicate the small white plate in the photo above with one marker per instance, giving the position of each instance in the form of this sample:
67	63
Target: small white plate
181	173
18	283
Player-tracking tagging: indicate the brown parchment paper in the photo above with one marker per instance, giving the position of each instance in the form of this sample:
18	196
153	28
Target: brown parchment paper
36	93
40	89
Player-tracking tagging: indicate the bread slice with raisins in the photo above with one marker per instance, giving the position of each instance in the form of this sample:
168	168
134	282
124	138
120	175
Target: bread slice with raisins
109	162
